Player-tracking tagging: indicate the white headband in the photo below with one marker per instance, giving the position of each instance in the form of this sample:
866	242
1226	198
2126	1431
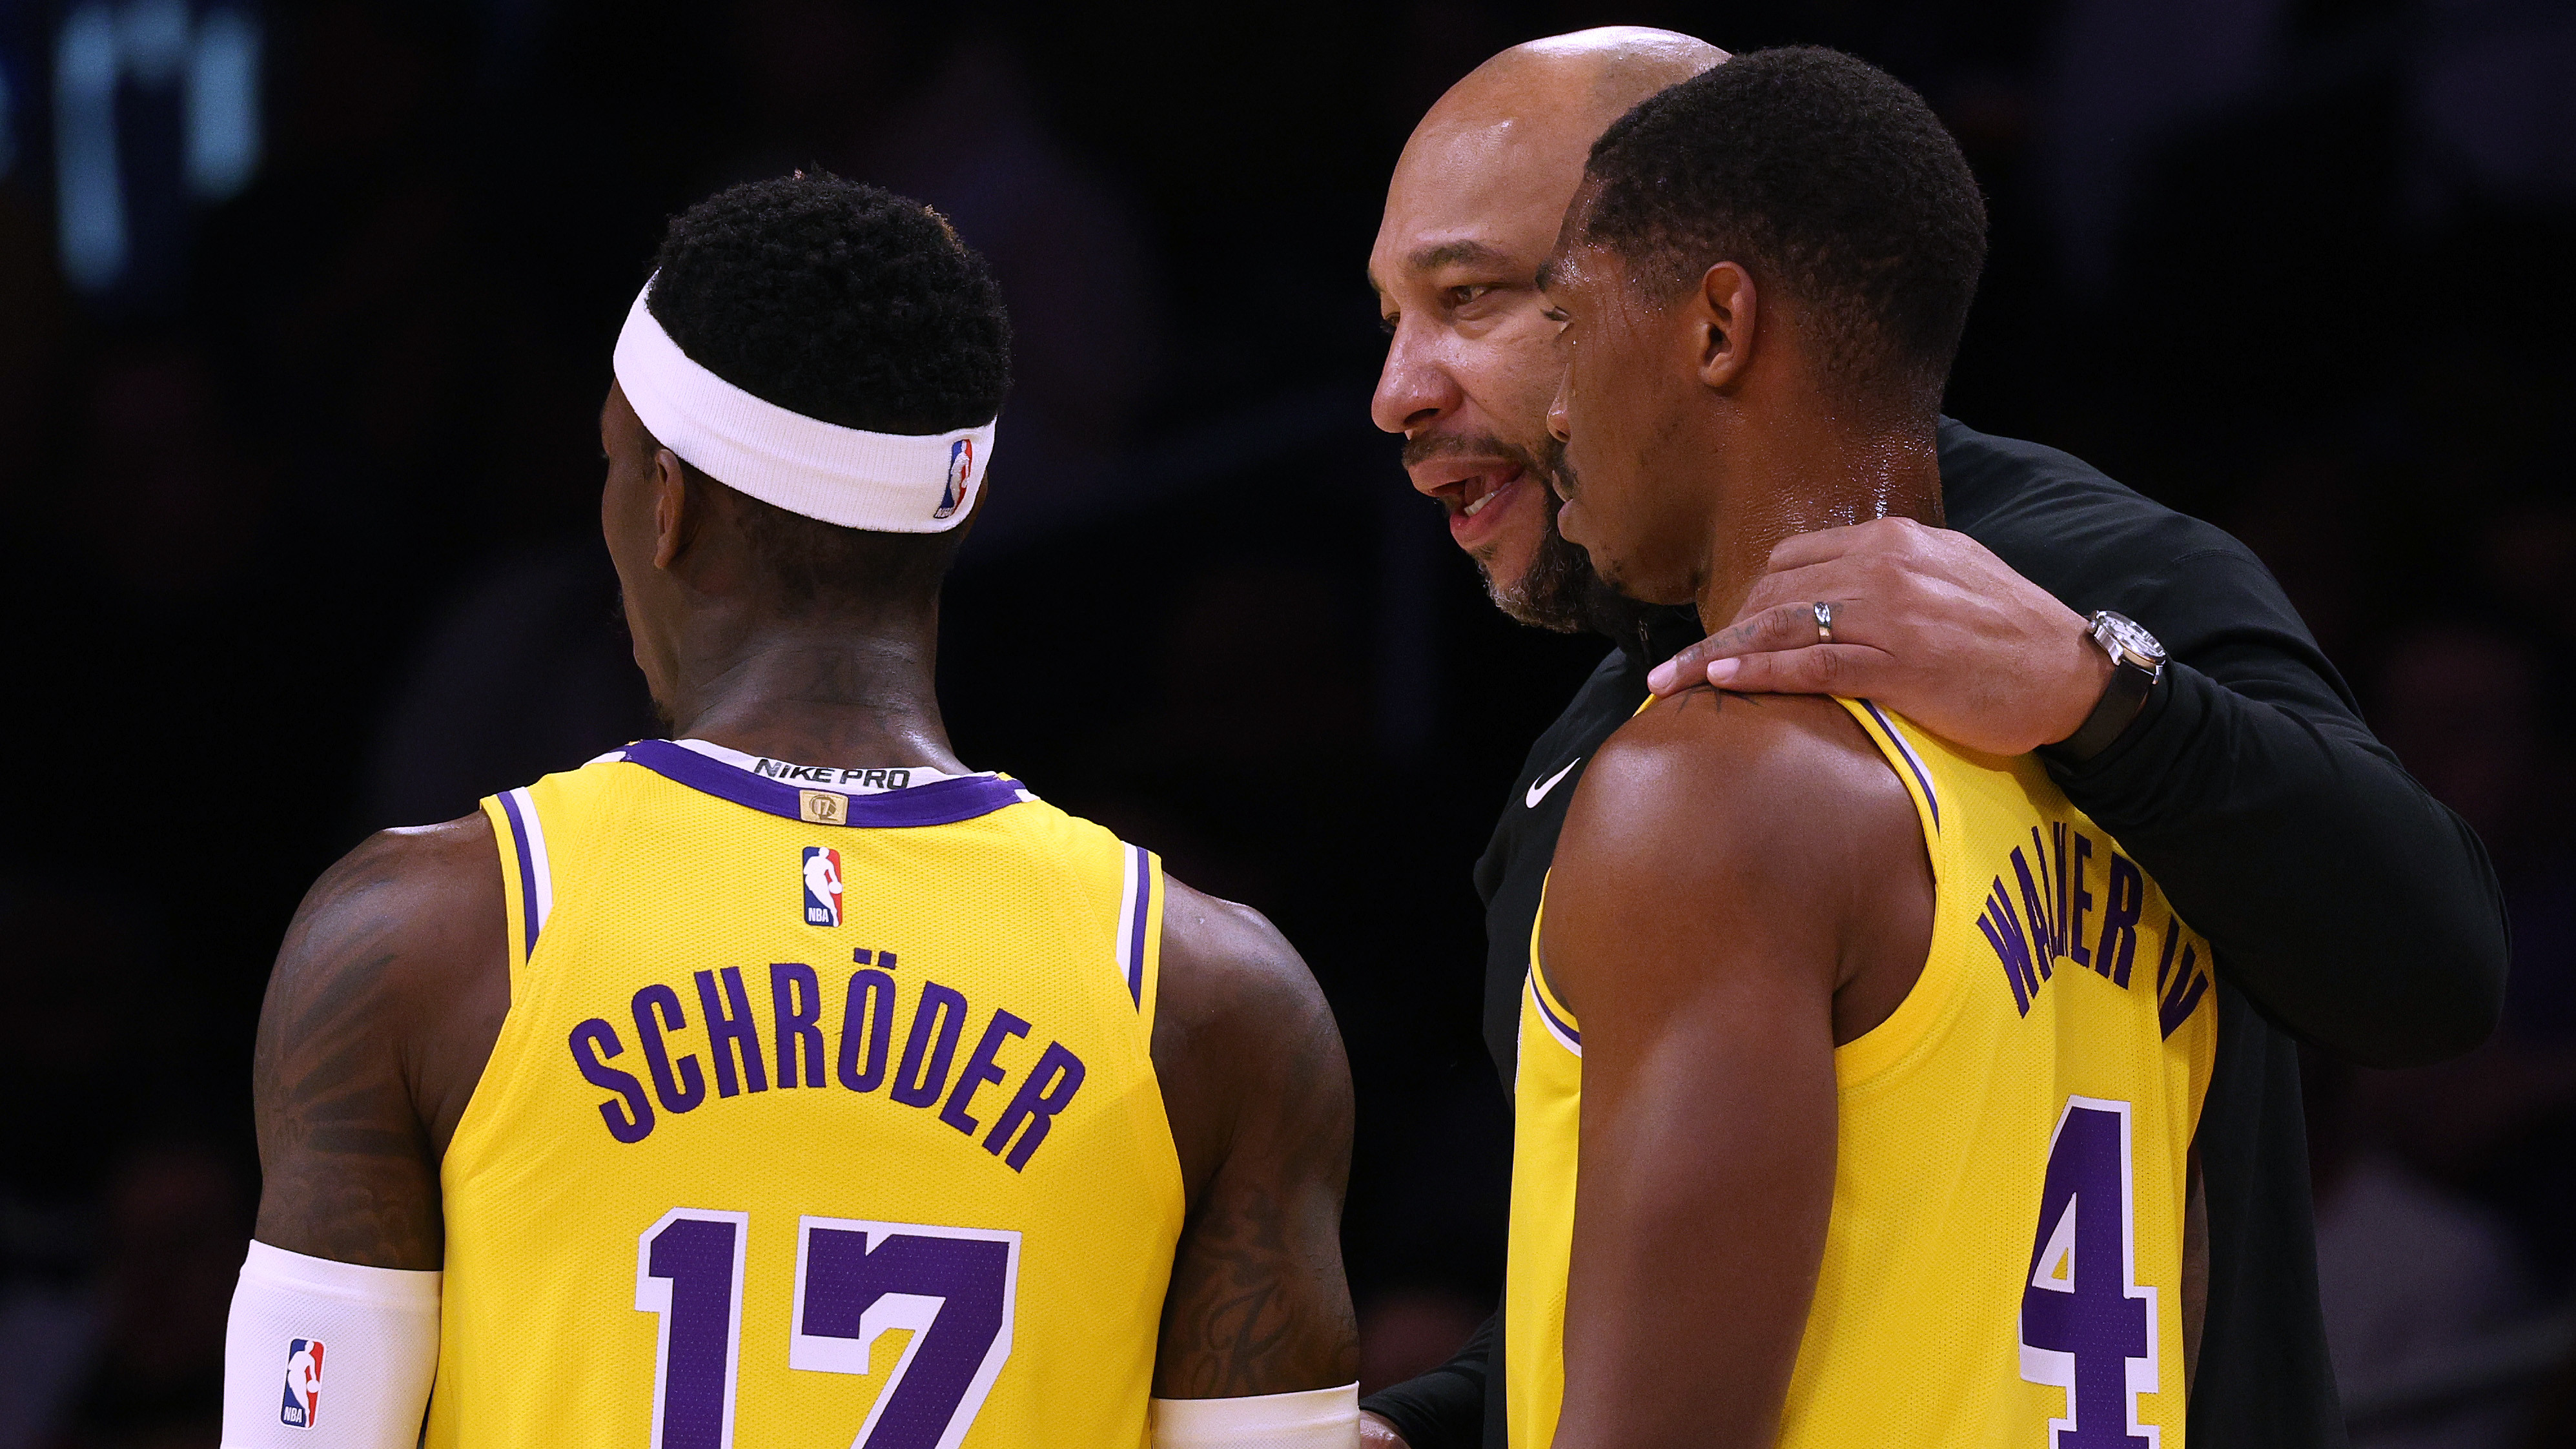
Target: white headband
884	482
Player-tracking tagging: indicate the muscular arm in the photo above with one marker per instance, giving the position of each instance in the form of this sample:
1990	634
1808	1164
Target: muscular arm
1740	886
1259	1099
381	1012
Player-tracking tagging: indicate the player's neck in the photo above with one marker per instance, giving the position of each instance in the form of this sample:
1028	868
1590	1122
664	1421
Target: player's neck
821	694
1809	476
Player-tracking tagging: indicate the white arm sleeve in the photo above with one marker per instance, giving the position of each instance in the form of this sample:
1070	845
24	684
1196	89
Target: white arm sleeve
1314	1419
325	1355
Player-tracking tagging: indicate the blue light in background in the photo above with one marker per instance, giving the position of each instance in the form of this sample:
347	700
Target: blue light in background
89	194
214	62
223	105
152	35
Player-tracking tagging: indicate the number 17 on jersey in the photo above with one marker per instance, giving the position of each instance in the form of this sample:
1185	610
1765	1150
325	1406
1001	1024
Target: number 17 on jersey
952	1289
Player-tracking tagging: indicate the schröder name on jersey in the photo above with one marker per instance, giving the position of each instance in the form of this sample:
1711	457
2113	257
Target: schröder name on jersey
917	1066
848	782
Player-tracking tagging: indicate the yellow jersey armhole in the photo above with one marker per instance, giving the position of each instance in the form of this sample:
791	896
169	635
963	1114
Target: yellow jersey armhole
1151	889
1537	962
1560	1023
1912	771
1547	998
514	892
1934	996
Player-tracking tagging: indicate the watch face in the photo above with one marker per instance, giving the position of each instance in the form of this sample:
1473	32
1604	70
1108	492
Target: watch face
2130	638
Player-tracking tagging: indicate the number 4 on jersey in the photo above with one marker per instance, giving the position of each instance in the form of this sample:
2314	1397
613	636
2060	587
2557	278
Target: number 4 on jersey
2087	1326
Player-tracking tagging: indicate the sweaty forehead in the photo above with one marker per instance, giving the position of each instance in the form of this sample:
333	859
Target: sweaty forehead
1570	270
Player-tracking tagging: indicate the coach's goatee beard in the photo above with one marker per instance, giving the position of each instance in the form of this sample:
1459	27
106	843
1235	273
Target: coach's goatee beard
1559	592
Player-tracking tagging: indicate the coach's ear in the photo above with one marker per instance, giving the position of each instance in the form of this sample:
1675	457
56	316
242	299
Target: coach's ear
1722	318
675	518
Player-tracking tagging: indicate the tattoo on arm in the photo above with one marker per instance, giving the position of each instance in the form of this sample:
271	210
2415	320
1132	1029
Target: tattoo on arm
1258	1303
1227	1316
347	1167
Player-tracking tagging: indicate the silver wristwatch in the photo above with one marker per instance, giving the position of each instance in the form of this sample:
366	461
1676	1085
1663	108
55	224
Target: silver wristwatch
2137	661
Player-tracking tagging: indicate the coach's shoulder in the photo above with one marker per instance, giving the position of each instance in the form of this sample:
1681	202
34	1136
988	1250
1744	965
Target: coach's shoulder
2071	528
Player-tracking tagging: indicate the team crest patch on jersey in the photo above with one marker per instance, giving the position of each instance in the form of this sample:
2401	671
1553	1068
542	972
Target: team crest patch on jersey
961	471
822	886
303	1383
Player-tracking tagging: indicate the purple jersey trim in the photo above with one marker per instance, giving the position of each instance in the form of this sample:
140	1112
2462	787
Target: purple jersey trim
1145	874
1922	776
941	802
527	872
1566	1028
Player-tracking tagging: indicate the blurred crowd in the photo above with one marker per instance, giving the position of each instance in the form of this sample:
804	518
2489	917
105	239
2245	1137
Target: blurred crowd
301	538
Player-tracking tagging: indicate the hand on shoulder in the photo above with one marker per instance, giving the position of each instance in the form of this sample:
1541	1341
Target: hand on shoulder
1926	621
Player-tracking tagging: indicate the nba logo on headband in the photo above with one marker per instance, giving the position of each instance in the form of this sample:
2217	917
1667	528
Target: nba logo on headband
850	477
961	471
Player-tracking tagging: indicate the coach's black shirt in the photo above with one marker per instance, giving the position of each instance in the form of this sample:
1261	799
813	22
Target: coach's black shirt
2347	907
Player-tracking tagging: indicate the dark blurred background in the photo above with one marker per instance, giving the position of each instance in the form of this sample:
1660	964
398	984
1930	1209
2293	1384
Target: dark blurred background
305	312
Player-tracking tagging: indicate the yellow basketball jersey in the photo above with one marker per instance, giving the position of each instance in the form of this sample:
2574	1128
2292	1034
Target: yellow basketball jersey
823	1115
2004	1262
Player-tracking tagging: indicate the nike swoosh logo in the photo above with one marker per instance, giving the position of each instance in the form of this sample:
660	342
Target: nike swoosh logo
1539	791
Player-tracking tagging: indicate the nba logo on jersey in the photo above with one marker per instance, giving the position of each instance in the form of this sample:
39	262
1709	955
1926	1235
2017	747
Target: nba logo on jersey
822	886
303	1383
961	470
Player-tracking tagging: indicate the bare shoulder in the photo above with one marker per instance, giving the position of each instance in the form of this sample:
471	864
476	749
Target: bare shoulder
1222	960
1706	766
388	993
409	862
1239	1019
400	914
1721	826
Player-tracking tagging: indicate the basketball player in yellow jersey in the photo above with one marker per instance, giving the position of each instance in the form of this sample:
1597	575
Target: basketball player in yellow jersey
1859	1071
787	1083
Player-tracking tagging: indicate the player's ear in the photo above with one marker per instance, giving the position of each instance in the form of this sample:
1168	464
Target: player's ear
673	518
1720	312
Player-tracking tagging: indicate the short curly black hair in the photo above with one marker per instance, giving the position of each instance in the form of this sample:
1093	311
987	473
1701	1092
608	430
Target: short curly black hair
850	304
1818	172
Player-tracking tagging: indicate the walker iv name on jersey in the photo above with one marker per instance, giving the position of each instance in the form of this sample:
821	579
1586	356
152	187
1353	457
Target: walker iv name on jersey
2051	888
859	1057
